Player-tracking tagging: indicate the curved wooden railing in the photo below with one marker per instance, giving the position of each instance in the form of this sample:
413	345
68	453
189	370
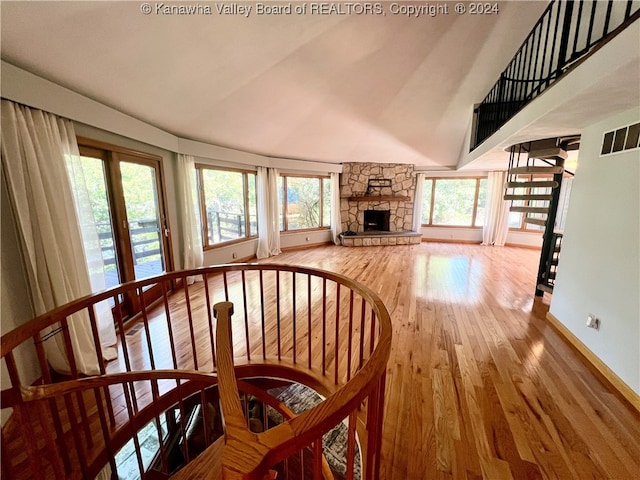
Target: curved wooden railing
291	323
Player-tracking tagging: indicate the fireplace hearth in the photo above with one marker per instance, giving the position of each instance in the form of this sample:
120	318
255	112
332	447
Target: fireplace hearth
376	220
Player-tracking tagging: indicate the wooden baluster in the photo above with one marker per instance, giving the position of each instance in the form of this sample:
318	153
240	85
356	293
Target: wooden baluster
183	423
336	346
324	326
293	306
131	415
278	309
309	320
350	335
98	347
167	314
53	406
163	451
317	459
145	323
246	316
363	314
207	297
373	331
351	444
190	317
104	426
84	422
125	350
226	285
264	350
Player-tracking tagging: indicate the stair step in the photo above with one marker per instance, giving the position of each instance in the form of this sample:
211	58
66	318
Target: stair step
549	275
549	169
533	196
549	153
534	184
545	288
536	221
554	261
529	209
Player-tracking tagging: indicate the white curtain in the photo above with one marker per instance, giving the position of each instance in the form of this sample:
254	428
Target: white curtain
268	213
336	218
40	162
496	224
193	256
417	203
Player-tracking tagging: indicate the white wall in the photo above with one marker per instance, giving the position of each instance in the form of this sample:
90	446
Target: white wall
599	269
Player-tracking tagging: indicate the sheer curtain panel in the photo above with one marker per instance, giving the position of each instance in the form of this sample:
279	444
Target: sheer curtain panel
193	256
417	203
336	219
268	213
35	149
496	225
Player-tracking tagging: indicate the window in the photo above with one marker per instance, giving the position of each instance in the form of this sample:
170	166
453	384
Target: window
227	205
305	202
455	202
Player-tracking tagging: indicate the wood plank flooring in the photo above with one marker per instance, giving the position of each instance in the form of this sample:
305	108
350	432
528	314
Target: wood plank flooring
478	385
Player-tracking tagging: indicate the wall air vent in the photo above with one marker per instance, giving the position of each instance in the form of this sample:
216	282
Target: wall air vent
625	138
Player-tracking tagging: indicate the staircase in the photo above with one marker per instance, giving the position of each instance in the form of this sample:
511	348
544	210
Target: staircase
533	186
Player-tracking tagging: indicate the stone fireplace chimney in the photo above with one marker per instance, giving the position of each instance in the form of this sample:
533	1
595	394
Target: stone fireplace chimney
377	187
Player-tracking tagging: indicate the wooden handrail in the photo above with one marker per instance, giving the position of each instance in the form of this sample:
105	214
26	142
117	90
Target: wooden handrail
247	455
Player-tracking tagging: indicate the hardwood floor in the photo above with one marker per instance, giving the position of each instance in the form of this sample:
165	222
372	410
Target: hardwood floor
478	385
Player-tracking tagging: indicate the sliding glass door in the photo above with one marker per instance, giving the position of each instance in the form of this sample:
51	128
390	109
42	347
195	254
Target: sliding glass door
126	196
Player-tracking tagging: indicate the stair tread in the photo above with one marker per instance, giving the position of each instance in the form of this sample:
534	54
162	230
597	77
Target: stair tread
533	184
551	153
533	196
518	208
536	221
545	288
538	169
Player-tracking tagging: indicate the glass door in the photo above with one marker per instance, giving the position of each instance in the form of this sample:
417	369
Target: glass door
125	191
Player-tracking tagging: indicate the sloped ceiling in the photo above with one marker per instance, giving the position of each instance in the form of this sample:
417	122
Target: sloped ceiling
331	88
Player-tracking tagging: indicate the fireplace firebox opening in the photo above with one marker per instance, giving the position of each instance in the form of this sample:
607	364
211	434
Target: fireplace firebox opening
376	220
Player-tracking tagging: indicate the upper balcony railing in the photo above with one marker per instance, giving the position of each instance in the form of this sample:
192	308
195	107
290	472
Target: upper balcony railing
566	32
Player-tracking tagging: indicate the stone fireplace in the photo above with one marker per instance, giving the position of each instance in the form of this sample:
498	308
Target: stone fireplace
377	187
376	205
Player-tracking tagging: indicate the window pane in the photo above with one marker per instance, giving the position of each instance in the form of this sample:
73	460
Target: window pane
145	229
453	204
93	169
224	203
426	200
253	206
515	219
303	203
482	201
326	202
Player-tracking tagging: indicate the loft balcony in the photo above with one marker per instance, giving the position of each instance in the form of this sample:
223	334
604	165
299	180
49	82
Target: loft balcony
565	35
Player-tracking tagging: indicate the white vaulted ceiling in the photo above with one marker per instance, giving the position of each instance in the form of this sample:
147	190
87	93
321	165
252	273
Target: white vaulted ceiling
331	88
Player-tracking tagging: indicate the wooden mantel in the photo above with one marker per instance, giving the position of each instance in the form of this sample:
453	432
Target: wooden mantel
379	198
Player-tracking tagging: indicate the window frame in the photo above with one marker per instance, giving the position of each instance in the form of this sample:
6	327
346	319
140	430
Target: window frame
284	207
476	196
204	227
